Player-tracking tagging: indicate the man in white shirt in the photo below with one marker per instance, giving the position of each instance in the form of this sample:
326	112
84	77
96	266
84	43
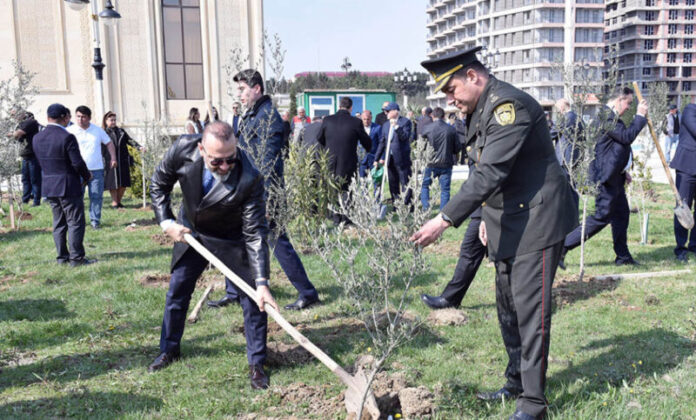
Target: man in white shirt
90	139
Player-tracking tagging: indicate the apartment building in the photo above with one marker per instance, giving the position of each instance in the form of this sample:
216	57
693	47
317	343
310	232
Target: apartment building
525	41
654	40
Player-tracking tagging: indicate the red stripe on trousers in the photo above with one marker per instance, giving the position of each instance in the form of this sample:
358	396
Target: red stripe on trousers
543	292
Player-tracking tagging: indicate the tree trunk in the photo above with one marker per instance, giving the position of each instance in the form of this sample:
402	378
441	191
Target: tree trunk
582	237
142	172
644	229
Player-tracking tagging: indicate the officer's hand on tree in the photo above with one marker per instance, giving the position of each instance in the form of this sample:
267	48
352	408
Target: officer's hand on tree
430	231
483	235
177	231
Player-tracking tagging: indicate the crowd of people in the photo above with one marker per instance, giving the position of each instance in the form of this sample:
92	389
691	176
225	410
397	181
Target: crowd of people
522	209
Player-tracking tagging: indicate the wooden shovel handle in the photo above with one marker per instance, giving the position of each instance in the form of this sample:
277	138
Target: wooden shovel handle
294	333
659	149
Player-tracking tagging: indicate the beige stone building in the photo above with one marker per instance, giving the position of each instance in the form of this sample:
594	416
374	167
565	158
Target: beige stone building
162	58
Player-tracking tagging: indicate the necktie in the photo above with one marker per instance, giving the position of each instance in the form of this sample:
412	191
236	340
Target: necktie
208	181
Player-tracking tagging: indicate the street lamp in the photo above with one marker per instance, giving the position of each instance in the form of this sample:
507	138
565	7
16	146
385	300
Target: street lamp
409	83
110	18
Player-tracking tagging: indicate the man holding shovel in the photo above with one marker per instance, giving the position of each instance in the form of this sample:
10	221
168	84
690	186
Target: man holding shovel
223	207
612	156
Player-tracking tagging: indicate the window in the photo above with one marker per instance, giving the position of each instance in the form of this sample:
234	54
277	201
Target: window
688	14
588	35
673	14
672	86
648	44
649	30
646	71
687	57
690	2
650	15
671	71
671	43
671	57
649	3
672	29
686	86
183	56
647	57
688	44
673	2
686	72
589	15
689	29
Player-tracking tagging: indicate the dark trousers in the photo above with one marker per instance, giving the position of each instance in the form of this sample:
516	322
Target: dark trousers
292	266
31	180
611	206
68	227
471	254
523	296
398	181
183	281
686	184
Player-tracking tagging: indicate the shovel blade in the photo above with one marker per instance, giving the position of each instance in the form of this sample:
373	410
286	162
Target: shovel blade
684	215
354	395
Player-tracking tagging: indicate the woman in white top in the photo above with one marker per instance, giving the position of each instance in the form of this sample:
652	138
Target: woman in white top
193	123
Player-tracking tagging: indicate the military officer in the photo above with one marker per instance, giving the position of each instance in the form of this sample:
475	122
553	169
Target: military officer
527	211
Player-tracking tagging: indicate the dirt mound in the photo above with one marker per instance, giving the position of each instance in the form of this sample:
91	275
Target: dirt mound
449	316
310	400
567	291
281	354
416	402
162	239
25	216
155	280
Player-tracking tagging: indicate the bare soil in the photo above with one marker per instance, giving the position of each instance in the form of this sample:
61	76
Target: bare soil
448	316
162	239
155	280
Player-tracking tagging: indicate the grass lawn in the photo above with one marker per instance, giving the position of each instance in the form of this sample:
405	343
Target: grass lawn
76	342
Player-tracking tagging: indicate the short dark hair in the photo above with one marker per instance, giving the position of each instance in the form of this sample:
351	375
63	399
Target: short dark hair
622	92
220	130
476	66
82	109
428	110
345	103
438	113
251	77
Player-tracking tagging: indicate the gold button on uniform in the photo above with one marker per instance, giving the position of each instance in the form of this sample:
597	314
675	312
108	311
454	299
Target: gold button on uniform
521	205
468	148
483	204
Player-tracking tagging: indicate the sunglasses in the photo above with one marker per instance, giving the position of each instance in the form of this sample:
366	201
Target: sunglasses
230	160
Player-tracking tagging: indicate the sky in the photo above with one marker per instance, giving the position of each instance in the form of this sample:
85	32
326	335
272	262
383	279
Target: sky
376	35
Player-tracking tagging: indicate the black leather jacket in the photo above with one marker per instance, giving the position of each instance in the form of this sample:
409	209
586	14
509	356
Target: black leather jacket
230	220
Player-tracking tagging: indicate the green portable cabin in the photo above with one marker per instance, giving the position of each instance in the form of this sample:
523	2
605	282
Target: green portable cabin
323	102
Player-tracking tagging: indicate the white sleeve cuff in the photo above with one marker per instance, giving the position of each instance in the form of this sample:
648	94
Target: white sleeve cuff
164	224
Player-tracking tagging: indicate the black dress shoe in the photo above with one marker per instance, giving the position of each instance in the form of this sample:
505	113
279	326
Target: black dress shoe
257	377
498	395
83	261
683	258
436	302
521	415
222	302
301	303
163	360
629	261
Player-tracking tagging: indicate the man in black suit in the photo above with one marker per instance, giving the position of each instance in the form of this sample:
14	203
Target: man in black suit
424	119
612	156
339	135
62	166
224	207
309	136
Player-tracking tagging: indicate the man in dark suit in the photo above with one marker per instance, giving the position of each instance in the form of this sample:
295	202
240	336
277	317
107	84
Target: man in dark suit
570	130
424	119
684	162
374	131
515	167
339	135
396	132
62	166
261	131
612	156
31	170
223	206
309	136
444	146
381	118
